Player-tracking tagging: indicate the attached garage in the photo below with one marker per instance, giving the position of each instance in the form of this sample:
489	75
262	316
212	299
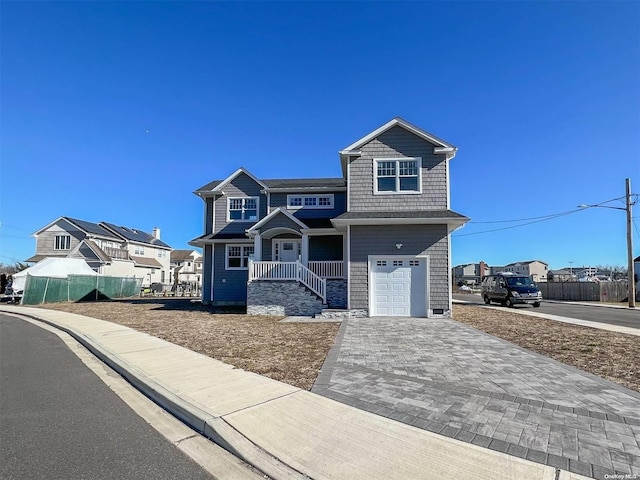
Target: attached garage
399	286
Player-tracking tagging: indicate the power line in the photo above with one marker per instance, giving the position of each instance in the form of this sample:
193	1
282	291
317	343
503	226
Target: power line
550	216
539	219
544	219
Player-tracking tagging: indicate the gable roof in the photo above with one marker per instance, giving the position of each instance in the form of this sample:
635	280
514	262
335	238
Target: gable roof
283	184
216	186
440	146
89	228
181	255
278	211
528	262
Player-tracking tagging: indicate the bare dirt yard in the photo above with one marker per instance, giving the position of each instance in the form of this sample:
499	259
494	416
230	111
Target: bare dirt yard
294	352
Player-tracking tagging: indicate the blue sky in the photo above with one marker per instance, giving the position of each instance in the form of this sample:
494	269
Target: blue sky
117	111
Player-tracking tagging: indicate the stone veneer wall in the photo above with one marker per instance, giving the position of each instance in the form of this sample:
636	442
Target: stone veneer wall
337	293
281	298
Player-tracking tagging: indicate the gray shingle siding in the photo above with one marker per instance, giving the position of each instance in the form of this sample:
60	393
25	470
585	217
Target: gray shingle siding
241	186
398	143
428	240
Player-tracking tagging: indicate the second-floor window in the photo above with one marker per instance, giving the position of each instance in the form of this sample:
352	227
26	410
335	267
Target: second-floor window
310	201
63	242
243	209
397	175
138	250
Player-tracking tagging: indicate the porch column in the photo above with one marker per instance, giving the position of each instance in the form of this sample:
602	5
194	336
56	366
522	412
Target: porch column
257	248
305	250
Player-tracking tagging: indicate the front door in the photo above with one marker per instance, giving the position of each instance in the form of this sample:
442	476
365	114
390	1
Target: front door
287	250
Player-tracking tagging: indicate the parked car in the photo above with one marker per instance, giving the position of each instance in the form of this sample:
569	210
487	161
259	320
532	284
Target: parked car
509	289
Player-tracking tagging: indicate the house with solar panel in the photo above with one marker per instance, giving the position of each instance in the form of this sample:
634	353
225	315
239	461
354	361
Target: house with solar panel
109	249
372	242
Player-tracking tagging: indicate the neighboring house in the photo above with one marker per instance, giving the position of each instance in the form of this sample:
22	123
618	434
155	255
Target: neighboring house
470	273
535	269
561	275
373	242
109	249
186	268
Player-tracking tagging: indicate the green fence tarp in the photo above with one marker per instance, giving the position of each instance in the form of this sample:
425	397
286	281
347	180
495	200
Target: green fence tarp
76	288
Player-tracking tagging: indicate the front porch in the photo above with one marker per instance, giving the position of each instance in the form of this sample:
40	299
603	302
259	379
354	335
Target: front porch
292	288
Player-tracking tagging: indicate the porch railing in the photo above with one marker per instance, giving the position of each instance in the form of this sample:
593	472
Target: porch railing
288	271
327	268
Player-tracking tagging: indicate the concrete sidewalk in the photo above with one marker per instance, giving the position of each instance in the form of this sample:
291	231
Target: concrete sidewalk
285	432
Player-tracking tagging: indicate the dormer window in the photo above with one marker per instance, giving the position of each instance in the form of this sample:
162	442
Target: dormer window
243	209
397	175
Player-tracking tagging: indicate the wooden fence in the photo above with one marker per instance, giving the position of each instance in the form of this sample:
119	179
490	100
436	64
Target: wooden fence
584	291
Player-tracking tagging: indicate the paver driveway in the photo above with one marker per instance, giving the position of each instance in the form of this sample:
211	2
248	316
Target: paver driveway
445	377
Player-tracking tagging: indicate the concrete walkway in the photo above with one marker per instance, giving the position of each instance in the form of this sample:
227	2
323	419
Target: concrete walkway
285	432
445	377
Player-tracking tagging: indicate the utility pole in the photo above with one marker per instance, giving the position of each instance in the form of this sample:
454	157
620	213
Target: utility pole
630	269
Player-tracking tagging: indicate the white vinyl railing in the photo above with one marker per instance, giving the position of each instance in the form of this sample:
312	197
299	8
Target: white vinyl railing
327	268
288	271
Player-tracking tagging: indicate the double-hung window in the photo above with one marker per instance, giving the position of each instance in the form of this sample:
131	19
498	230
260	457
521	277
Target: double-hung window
397	175
63	242
238	256
243	209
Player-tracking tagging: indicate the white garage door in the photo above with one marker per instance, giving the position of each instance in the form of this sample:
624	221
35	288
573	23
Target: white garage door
398	286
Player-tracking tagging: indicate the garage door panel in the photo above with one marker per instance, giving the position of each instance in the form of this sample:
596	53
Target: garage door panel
399	287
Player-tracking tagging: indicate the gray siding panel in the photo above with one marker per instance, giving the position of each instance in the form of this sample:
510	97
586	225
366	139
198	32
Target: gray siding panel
228	285
46	241
207	266
241	186
208	216
266	250
428	240
398	143
325	247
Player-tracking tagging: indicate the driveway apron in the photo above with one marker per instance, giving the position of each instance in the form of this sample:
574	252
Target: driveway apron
448	378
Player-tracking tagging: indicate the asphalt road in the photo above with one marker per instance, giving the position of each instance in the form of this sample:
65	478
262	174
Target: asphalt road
625	317
58	420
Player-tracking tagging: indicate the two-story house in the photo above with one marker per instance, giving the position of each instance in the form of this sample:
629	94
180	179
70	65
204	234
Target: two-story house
469	273
186	269
535	269
109	249
373	242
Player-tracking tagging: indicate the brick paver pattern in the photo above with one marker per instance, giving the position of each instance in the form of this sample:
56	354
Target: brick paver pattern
445	377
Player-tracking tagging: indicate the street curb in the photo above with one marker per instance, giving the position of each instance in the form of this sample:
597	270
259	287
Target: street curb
214	428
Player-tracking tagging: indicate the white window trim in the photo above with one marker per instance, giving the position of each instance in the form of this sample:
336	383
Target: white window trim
242	255
397	192
317	206
229	219
63	244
